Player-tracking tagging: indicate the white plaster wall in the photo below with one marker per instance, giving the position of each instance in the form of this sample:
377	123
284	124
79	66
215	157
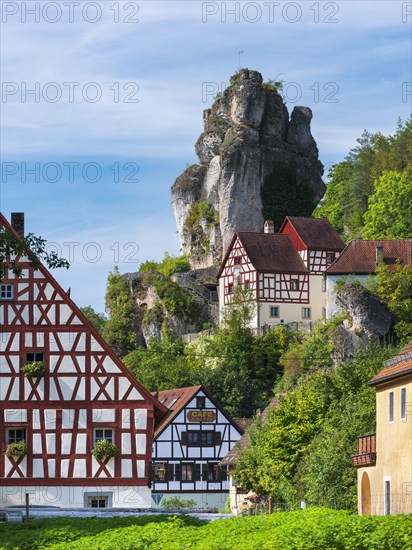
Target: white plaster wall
73	497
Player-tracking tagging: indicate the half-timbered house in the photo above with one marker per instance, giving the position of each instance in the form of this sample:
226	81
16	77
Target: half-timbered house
189	443
50	422
283	273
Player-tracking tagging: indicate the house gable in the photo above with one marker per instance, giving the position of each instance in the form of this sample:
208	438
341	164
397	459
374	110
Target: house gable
85	388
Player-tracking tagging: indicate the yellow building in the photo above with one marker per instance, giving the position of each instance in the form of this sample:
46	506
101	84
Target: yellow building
384	459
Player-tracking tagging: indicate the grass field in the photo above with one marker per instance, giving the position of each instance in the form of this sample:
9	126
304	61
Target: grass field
308	529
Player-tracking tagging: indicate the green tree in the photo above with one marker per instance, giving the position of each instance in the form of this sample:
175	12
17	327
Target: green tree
389	213
98	320
394	286
118	330
163	365
32	247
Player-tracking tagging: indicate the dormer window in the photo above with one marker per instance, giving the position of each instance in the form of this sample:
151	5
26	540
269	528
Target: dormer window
6	292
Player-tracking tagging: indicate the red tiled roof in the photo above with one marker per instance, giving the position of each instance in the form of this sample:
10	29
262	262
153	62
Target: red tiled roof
360	256
401	365
316	233
270	253
181	396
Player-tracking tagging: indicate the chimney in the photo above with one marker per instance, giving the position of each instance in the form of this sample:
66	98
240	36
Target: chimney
269	227
17	223
379	254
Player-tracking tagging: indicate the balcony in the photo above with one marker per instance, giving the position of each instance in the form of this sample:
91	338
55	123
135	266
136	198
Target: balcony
366	451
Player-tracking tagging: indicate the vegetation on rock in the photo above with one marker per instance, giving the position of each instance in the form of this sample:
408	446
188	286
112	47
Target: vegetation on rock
168	266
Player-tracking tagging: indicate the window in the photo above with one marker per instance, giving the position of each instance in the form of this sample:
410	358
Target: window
306	313
274	311
324	313
330	258
103	433
247	285
187	472
200	402
237	261
214	473
6	292
199	438
391	406
32	357
15	435
403	403
230	289
98	502
294	284
323	284
387	498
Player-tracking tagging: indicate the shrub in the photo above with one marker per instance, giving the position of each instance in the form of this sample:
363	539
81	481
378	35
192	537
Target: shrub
178	502
104	449
34	369
16	450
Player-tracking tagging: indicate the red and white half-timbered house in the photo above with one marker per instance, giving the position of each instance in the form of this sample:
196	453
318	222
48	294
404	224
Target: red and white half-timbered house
189	444
84	395
283	272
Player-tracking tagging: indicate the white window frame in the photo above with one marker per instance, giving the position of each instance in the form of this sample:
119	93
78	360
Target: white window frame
309	310
391	406
6	292
104	429
276	316
402	392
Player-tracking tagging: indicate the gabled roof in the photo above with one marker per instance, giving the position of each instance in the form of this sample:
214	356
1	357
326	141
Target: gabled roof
178	399
316	233
159	409
268	252
360	256
243	442
399	366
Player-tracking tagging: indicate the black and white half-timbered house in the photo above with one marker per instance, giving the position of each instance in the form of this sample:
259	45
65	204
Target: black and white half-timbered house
189	444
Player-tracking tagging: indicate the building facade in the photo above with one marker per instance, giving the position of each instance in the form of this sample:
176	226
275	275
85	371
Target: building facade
283	273
83	394
189	444
384	459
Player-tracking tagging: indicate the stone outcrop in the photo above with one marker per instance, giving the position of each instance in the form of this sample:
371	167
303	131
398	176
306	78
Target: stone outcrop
152	314
248	136
370	321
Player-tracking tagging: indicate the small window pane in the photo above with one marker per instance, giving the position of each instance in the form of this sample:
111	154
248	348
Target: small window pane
16	435
6	292
200	402
306	313
391	406
103	433
274	311
32	357
403	403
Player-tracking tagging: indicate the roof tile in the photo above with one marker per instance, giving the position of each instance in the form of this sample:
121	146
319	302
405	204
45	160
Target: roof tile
360	256
316	233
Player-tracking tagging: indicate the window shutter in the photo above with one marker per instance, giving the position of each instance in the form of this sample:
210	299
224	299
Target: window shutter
178	472
184	438
218	438
223	473
205	472
197	472
170	472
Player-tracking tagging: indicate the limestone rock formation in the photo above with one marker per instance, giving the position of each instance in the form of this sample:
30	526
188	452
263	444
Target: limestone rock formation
370	320
249	149
182	305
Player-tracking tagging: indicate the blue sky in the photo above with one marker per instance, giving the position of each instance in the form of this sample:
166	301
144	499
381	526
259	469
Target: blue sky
104	163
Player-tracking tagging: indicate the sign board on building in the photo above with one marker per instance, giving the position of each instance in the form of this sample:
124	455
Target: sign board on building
201	416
